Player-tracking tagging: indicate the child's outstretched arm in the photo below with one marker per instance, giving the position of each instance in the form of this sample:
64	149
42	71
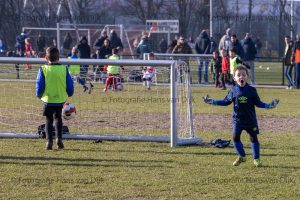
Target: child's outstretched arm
271	105
207	99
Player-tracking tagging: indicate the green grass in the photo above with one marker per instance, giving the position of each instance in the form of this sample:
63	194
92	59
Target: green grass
129	170
115	170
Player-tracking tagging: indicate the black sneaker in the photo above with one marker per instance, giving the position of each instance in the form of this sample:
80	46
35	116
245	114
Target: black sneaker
85	88
60	144
91	88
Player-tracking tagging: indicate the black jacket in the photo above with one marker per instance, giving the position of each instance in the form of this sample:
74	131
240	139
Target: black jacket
249	49
202	45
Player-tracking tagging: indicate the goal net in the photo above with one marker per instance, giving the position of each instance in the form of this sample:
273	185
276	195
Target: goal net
198	65
162	113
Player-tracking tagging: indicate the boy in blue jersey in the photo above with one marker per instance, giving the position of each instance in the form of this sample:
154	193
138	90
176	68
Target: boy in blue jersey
244	98
53	86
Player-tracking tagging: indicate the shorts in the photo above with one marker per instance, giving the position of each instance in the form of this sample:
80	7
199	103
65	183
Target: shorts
237	130
50	110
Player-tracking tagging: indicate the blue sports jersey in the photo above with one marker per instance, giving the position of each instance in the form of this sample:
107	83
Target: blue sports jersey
244	101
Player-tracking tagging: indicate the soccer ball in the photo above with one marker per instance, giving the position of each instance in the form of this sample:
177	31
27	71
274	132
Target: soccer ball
68	111
119	86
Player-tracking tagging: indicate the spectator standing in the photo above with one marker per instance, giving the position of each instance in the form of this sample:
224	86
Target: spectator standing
249	54
236	45
67	43
115	41
296	58
171	46
225	41
84	53
103	53
41	43
144	47
100	41
182	47
213	45
202	46
105	50
258	46
288	61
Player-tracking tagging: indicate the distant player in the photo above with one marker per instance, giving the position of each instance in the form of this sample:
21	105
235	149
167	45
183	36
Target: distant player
113	78
74	71
53	86
148	73
244	98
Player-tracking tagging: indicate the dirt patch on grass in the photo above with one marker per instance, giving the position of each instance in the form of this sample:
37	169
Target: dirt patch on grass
202	122
219	123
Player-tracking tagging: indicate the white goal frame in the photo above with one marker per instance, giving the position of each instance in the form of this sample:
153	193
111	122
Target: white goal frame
173	139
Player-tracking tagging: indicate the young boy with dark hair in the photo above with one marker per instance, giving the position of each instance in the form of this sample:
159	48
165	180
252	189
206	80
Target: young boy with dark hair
225	69
244	98
216	68
235	61
53	86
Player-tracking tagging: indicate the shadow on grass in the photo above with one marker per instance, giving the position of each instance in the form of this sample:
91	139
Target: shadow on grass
216	153
83	164
282	167
28	160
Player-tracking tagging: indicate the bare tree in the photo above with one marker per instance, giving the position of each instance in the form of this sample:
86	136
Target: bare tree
185	11
143	10
281	25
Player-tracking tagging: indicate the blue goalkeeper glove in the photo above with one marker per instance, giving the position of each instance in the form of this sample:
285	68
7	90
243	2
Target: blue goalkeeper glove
273	104
207	99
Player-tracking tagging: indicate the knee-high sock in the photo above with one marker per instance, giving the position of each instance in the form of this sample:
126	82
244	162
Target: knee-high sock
239	148
255	150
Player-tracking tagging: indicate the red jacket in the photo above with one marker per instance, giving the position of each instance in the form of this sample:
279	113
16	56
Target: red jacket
225	64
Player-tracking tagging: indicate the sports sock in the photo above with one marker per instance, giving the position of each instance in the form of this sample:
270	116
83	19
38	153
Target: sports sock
239	148
255	149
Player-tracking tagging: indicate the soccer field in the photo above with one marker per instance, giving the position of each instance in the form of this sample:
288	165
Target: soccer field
132	170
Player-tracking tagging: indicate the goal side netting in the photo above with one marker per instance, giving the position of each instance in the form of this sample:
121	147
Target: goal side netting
162	113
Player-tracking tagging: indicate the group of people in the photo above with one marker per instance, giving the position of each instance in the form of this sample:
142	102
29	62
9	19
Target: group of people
245	51
292	62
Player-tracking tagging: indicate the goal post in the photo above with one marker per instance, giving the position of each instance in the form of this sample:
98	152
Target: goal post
134	110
